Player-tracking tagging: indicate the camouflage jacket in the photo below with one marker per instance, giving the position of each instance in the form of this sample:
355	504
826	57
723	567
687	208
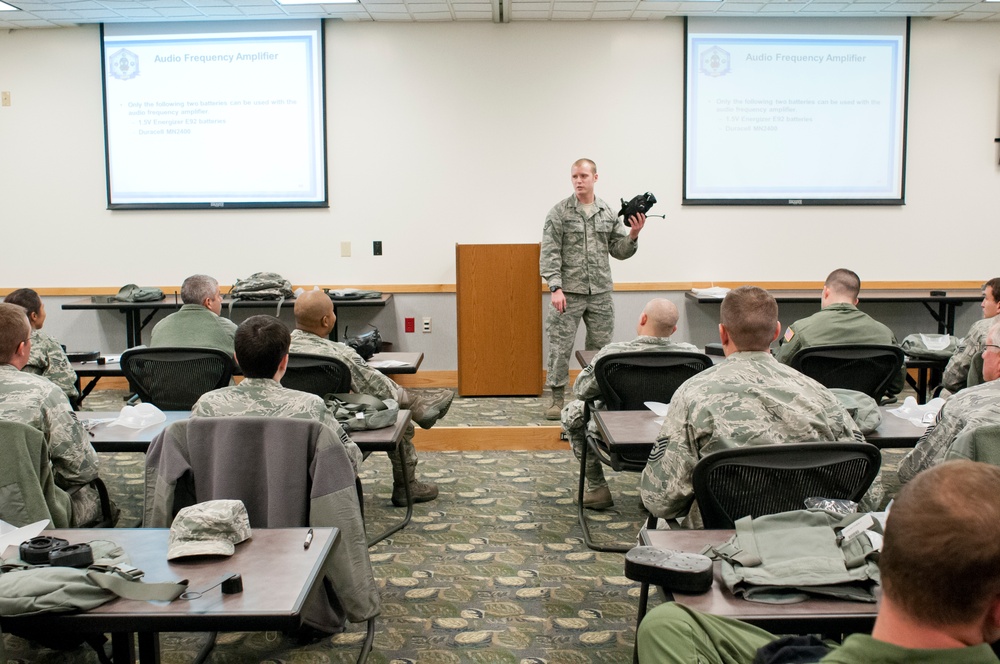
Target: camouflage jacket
750	399
575	248
586	387
364	379
35	401
838	323
956	374
972	407
265	397
49	360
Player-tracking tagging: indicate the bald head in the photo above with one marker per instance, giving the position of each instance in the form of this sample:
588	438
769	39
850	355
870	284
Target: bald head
314	313
658	319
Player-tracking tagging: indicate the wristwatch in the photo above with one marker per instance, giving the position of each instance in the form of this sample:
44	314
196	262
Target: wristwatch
553	289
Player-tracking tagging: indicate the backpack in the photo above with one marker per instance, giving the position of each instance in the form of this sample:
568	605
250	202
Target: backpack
261	286
930	346
357	412
367	343
133	293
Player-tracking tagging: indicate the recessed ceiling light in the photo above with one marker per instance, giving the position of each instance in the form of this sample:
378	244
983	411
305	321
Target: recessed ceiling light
4	7
319	2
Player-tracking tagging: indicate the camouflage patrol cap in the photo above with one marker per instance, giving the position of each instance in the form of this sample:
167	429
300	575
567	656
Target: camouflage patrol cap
210	528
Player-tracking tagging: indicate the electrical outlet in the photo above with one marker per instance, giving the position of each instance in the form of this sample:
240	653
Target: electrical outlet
345	249
377	248
427	325
5	98
409	324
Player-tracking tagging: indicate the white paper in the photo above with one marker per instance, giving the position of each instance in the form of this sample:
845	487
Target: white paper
918	415
659	408
385	364
714	291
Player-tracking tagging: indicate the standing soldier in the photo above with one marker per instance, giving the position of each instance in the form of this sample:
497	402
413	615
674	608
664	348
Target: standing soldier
578	235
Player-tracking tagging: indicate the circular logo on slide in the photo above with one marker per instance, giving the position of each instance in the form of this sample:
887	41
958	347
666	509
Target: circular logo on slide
715	61
124	64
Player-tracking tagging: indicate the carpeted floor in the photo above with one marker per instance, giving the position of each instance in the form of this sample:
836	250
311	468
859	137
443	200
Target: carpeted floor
493	571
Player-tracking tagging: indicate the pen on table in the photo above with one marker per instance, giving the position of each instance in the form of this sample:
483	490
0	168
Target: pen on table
309	539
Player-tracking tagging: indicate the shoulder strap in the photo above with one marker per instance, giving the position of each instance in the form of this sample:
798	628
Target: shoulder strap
361	400
130	588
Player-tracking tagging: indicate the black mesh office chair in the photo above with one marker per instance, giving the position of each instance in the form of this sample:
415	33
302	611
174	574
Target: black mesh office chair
768	479
868	368
627	381
316	374
174	378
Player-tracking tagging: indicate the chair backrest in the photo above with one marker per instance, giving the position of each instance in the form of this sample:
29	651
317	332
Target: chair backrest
868	368
28	482
316	374
174	378
628	380
767	479
980	443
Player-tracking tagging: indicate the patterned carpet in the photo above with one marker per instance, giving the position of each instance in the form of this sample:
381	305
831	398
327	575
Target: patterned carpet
492	572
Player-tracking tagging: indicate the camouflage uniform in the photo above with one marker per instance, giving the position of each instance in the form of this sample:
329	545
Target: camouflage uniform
49	360
265	397
970	408
838	323
574	257
750	399
956	374
586	388
194	326
364	380
34	401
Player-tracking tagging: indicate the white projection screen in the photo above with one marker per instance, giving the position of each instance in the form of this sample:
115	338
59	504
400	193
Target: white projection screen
795	111
214	114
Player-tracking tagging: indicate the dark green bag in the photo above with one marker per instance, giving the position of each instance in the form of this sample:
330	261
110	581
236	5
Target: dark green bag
357	412
133	293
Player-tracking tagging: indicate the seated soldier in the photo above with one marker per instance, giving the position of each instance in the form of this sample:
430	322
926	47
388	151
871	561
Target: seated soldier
750	399
199	322
970	408
37	402
959	373
839	322
262	352
940	569
47	359
314	320
656	323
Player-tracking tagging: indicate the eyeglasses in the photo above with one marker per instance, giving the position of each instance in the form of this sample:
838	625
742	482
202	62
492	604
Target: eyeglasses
990	346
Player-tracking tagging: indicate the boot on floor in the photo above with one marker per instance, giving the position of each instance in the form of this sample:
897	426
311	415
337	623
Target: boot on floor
554	411
420	492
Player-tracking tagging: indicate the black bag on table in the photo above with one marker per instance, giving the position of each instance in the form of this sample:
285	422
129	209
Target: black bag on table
366	344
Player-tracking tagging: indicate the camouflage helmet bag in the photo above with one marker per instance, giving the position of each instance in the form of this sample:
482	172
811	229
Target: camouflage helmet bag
133	293
211	528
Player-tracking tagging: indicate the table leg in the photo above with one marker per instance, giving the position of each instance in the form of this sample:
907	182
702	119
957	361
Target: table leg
402	524
123	647
149	647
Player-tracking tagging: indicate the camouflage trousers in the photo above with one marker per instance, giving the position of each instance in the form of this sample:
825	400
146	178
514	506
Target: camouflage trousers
86	506
405	454
598	314
576	430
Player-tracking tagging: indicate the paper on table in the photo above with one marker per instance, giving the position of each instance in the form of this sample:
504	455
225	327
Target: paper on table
714	291
385	364
657	407
917	414
12	535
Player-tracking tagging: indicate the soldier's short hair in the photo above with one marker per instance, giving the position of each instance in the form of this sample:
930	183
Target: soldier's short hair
197	288
14	328
27	299
750	315
993	285
940	561
261	342
589	162
844	282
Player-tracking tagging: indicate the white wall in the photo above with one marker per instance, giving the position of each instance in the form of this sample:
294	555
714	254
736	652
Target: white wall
445	133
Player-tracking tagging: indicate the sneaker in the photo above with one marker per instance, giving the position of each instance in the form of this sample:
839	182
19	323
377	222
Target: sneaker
420	492
598	499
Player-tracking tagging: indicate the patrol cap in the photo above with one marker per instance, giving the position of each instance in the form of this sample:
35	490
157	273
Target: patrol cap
210	528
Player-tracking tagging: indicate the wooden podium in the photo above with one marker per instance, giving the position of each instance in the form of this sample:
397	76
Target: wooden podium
498	294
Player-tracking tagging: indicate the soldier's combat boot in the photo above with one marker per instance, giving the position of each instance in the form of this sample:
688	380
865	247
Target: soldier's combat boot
426	406
420	492
555	408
